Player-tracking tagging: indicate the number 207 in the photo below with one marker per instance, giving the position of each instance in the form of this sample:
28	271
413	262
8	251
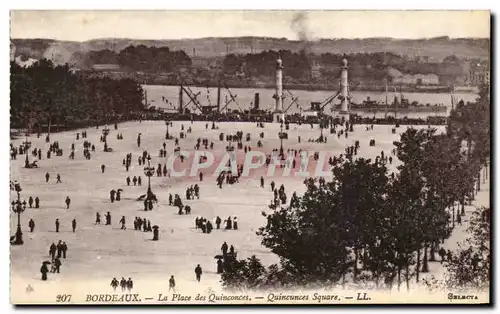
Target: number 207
63	298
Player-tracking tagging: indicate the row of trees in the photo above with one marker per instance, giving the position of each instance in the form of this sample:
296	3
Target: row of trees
264	63
367	226
45	94
363	66
140	58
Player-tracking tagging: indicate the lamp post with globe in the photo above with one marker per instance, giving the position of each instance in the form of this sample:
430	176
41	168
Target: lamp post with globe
149	172
105	133
18	207
27	145
167	135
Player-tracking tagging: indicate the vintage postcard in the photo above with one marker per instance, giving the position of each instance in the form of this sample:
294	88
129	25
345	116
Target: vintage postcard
250	157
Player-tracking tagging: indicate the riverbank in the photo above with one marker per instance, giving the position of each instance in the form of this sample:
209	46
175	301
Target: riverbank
233	82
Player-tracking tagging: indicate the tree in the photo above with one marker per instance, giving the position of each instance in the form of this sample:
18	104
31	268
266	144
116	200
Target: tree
244	275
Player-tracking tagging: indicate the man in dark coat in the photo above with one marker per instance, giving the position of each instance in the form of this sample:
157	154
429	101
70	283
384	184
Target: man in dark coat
114	284
57	264
73	225
30	202
224	248
67	201
31	224
47	177
130	284
218	222
123	284
57	225
112	195
37	202
108	218
59	249
64	248
122	221
198	271
52	250
220	267
171	283
44	270
97	219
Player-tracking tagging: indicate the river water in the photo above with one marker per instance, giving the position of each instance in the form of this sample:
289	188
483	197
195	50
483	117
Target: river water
167	97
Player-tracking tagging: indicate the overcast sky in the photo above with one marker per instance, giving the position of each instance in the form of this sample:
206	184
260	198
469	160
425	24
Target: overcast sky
84	25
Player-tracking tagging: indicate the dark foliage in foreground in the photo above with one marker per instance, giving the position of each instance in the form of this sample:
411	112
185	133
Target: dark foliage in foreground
45	94
369	227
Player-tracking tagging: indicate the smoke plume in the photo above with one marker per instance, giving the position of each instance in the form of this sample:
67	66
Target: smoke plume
301	29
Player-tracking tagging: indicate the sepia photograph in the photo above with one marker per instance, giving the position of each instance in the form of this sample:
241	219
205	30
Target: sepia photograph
250	157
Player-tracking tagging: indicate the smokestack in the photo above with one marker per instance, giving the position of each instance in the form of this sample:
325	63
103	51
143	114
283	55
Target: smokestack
218	97
256	101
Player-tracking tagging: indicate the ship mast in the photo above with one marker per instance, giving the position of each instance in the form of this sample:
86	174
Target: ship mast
386	98
452	97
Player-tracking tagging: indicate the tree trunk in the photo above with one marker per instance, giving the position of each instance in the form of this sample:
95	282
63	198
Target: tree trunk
355	270
463	205
408	276
425	264
452	215
365	257
418	265
399	277
432	257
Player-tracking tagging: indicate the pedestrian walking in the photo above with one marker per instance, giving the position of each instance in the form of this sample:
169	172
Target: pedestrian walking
198	271
171	283
31	224
114	284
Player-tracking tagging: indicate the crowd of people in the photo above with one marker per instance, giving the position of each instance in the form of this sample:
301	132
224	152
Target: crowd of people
192	191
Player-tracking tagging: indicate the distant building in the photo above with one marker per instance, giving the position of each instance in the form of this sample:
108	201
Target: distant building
206	63
105	67
396	77
316	69
478	74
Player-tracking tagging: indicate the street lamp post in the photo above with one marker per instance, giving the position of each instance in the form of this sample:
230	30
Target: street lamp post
18	208
105	133
167	135
149	172
27	145
282	154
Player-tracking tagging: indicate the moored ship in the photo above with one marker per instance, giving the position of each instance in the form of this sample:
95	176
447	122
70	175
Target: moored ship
402	106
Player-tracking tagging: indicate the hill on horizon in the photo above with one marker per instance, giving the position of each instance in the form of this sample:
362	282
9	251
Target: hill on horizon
435	48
